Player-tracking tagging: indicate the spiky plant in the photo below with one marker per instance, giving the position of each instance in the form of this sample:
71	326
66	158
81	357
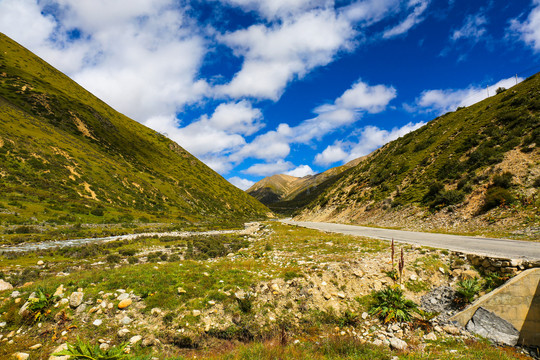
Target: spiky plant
81	350
390	305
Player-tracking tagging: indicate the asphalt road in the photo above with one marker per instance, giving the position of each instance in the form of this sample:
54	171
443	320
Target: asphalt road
511	249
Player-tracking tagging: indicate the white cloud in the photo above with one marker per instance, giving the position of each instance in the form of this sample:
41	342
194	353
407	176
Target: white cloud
345	110
446	100
275	55
370	11
529	30
240	183
272	9
369	139
473	28
265	169
414	18
301	171
331	155
239	117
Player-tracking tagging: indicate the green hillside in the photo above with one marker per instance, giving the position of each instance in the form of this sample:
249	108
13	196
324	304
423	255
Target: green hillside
476	166
66	157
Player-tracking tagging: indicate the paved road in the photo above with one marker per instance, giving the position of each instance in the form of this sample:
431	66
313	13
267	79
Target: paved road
512	249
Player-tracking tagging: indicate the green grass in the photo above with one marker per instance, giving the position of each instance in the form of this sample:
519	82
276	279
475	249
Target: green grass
71	159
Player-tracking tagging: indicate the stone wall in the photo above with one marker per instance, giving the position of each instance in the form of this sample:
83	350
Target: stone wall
501	265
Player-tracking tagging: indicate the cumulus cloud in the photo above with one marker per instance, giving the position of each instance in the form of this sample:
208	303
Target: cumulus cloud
370	11
368	139
275	55
301	171
473	28
529	30
272	9
345	110
415	17
332	154
445	100
265	169
241	183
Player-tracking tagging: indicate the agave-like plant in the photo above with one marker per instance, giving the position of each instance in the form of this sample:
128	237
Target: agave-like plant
390	305
466	291
81	350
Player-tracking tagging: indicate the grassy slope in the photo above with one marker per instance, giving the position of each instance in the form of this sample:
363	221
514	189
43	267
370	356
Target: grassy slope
64	154
462	151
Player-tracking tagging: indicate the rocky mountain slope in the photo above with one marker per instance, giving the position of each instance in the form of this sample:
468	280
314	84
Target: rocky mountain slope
471	169
67	157
285	193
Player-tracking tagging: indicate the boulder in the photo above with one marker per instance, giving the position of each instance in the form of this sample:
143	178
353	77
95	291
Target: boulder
135	339
122	296
493	327
397	344
76	299
5	285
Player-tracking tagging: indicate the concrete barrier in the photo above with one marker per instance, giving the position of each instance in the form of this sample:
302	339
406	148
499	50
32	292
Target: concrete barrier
517	301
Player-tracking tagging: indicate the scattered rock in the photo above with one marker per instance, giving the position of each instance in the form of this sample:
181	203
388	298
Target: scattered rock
275	287
431	336
341	295
104	346
123	332
365	315
35	347
126	321
377	342
4	285
97	322
76	299
122	297
124	303
196	312
14	294
40	262
59	291
21	356
57	350
135	339
491	326
180	291
397	344
451	329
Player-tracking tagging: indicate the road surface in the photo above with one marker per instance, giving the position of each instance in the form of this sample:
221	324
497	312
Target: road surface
505	248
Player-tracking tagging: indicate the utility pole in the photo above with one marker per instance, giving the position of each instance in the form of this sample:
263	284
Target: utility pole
516	79
487	89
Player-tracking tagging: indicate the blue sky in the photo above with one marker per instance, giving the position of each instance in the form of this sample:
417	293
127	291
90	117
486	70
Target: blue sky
259	87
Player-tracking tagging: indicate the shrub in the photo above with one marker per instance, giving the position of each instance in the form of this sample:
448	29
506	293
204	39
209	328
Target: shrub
503	180
132	260
289	275
113	258
536	182
496	196
245	304
500	90
493	281
83	350
466	291
390	305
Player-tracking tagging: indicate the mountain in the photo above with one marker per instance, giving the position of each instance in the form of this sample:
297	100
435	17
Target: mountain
474	168
285	194
67	157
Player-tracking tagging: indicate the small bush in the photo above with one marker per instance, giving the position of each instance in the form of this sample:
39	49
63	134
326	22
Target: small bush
245	304
132	260
289	275
500	90
536	182
39	308
113	259
495	197
503	180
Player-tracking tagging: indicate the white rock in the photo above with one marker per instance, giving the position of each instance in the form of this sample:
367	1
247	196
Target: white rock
40	262
431	336
123	332
21	356
441	270
14	294
341	295
104	346
76	299
97	322
365	315
3	324
123	296
4	285
196	312
397	344
377	342
413	277
35	347
58	349
135	339
125	321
